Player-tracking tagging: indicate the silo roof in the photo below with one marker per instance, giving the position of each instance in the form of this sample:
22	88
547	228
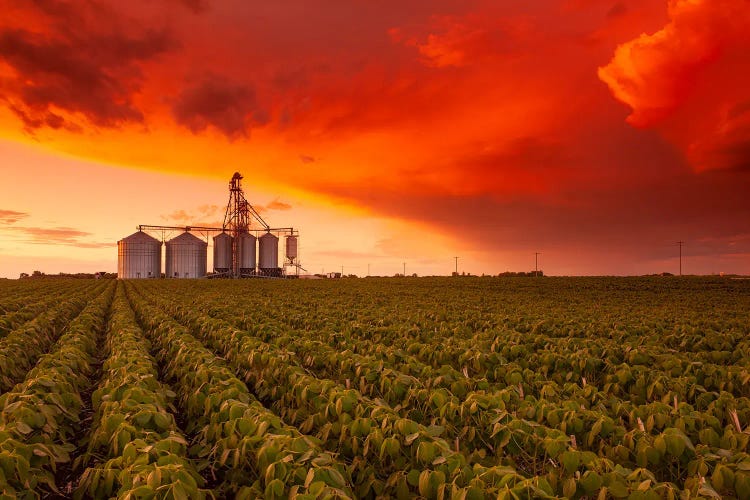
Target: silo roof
141	237
186	239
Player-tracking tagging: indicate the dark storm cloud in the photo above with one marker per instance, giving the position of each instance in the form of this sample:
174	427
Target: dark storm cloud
196	6
617	10
229	107
77	68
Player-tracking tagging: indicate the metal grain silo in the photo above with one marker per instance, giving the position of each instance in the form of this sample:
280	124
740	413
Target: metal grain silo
186	257
268	250
246	249
291	248
222	253
138	256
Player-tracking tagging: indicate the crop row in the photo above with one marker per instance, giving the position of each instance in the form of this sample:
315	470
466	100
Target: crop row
135	449
38	417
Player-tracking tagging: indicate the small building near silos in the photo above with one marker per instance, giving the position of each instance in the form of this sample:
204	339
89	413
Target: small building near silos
222	253
186	257
138	256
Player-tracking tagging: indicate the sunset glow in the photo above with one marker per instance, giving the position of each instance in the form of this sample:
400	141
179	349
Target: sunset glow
597	132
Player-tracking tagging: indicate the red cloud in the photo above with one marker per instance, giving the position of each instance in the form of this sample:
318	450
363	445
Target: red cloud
81	63
196	6
452	40
691	80
230	108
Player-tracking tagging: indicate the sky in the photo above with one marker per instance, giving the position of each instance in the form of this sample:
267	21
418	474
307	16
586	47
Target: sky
598	133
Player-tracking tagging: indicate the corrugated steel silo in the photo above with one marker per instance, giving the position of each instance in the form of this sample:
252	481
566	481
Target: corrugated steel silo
186	257
138	256
246	248
291	248
222	253
268	250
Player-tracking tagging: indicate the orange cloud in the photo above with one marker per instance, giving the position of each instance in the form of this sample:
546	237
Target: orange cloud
278	205
690	80
11	216
196	217
57	236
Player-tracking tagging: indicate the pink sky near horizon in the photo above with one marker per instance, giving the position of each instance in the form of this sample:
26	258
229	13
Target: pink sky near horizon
597	132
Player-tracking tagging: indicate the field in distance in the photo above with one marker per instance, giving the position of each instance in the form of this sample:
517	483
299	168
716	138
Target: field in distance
364	388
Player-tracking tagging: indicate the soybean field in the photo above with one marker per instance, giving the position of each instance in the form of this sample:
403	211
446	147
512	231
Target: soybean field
438	388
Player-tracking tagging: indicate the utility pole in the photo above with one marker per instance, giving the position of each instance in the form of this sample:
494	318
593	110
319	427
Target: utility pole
456	265
342	271
368	269
536	263
680	243
404	269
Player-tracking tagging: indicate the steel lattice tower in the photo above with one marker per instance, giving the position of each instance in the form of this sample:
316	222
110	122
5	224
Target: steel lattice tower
237	218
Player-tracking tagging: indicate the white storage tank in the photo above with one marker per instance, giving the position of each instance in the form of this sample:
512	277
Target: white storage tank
268	250
138	256
291	248
246	249
186	257
222	253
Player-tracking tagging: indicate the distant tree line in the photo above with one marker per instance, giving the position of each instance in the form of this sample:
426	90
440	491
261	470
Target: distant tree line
41	275
520	274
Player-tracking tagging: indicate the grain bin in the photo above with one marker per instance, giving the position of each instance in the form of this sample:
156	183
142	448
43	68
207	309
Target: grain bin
186	257
246	249
138	256
222	253
268	250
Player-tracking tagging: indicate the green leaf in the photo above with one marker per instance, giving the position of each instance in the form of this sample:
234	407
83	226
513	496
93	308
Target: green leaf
618	490
413	477
570	460
591	481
